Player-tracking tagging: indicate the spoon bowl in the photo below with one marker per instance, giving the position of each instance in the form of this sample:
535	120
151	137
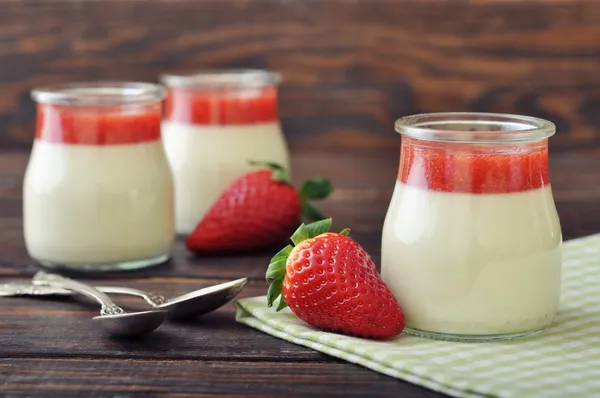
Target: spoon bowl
131	324
202	301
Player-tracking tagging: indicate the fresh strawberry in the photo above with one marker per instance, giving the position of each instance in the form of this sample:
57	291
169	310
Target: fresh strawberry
258	210
329	281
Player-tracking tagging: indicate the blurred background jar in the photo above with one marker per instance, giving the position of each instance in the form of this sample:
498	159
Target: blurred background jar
215	122
98	192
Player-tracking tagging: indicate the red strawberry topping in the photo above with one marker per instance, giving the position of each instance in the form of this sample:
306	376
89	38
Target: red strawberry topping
98	125
221	107
435	168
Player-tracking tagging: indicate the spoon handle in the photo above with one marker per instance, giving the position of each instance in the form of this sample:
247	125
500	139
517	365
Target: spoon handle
151	298
108	307
27	289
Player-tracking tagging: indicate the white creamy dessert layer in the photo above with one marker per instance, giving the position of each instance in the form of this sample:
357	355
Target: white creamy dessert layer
206	159
87	204
473	263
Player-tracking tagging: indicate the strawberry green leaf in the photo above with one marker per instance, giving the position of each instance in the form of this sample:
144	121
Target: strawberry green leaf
276	270
282	304
279	172
268	165
311	230
312	212
316	188
276	274
345	232
273	292
300	234
319	227
281	176
282	254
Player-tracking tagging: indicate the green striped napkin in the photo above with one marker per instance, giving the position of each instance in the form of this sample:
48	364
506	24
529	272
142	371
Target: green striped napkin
564	361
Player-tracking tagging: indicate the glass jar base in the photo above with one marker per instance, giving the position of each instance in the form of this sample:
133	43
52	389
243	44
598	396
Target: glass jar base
473	338
106	267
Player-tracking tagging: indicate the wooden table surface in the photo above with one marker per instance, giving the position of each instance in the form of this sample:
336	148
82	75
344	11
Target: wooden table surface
53	348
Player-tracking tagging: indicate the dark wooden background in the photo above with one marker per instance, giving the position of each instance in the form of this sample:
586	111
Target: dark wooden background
350	66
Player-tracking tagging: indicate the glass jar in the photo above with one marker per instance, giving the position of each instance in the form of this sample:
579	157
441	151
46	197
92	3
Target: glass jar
215	122
98	191
471	244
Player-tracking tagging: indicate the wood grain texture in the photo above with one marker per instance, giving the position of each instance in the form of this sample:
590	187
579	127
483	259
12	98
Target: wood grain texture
192	378
350	67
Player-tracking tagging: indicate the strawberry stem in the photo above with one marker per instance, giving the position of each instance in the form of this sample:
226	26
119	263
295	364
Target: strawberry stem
314	189
279	172
312	212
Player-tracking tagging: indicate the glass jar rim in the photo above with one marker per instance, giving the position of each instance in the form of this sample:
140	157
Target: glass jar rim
101	93
475	127
222	78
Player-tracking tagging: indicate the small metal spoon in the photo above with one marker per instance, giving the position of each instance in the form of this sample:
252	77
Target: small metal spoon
189	305
113	319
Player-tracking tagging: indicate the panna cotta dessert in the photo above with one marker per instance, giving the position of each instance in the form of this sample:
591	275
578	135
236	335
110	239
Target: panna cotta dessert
471	244
98	192
215	123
